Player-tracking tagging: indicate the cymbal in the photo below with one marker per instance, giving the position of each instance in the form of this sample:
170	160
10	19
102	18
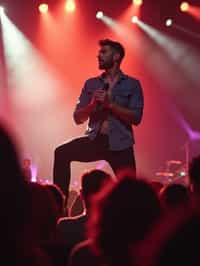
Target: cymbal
174	162
165	174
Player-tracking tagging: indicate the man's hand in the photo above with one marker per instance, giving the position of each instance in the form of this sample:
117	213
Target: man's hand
100	96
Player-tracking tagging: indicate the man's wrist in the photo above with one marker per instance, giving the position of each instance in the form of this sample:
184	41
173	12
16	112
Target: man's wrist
91	105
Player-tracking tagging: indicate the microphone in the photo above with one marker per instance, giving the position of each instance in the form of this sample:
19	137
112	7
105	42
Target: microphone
105	86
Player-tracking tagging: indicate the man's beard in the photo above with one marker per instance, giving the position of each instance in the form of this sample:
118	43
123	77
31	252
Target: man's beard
106	65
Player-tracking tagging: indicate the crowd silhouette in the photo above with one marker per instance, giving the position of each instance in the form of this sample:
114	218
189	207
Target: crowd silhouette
121	220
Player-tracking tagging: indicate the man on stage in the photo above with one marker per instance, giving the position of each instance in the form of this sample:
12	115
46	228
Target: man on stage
112	102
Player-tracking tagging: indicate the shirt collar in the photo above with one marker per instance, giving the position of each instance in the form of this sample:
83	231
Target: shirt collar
121	76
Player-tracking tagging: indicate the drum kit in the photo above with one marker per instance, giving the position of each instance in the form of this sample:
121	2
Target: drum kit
175	172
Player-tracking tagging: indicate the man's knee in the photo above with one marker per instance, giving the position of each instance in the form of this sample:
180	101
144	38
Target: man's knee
61	152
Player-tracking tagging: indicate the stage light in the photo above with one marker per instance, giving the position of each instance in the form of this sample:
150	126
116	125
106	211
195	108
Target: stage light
70	5
134	19
43	8
138	2
99	14
184	6
169	22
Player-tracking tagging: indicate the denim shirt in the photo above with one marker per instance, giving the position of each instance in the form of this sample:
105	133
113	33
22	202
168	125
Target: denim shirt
127	92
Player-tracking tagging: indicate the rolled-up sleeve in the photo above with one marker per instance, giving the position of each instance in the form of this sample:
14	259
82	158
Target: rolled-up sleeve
83	100
136	102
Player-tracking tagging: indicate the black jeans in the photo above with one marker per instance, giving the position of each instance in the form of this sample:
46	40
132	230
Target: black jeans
84	149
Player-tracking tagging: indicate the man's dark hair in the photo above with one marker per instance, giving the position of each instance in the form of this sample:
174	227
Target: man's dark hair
174	195
92	181
194	172
116	46
58	196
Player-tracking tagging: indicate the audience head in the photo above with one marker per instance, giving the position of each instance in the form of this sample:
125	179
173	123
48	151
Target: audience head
123	213
174	241
13	190
10	166
173	195
59	197
43	213
92	182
